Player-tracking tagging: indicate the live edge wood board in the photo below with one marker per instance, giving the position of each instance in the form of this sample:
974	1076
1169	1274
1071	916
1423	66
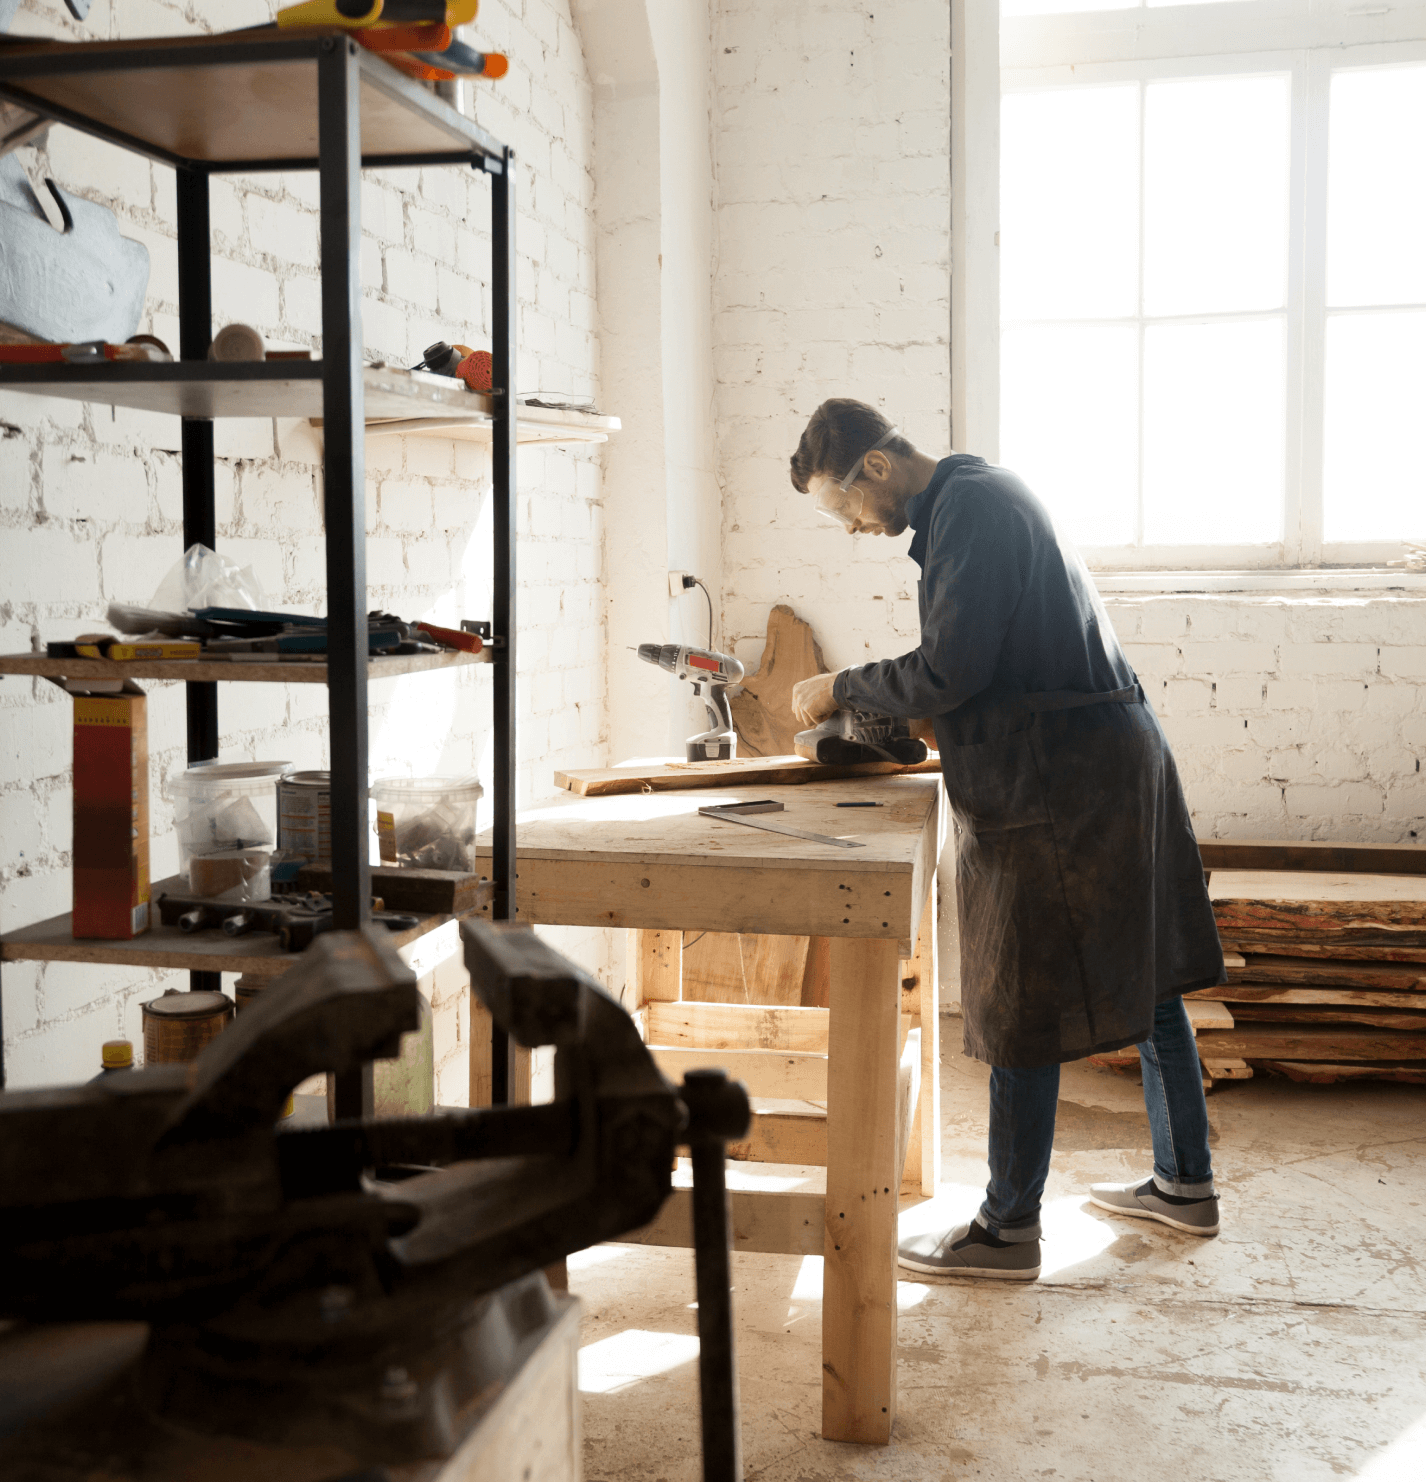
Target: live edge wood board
652	861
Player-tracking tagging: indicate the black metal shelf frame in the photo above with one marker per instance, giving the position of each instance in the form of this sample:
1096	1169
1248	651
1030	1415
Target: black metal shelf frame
342	68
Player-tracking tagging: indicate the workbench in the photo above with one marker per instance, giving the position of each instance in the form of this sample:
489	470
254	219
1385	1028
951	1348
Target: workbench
649	862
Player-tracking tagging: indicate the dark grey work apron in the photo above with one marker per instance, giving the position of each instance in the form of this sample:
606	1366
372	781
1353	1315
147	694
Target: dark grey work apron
1081	894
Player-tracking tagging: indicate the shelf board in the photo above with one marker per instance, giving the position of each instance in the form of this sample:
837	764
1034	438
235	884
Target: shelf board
198	671
168	947
535	425
274	388
244	100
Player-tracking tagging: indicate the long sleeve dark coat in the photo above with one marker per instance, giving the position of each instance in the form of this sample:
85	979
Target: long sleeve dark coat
1081	894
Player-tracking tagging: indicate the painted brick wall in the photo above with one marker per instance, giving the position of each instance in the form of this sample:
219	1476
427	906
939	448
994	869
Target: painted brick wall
832	195
90	499
1300	718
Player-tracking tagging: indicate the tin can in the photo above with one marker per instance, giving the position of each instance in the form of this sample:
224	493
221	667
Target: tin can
304	814
304	817
178	1025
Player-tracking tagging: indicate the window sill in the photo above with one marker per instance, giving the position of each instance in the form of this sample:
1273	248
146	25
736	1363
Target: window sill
1302	581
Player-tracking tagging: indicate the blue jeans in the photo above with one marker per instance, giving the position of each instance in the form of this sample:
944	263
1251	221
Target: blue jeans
1022	1127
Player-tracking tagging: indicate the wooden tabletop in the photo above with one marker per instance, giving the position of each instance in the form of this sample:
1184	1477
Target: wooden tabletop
651	860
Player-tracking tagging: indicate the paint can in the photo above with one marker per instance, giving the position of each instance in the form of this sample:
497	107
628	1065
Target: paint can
179	1025
304	817
304	814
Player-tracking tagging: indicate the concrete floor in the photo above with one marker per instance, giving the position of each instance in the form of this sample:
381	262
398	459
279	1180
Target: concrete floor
1292	1346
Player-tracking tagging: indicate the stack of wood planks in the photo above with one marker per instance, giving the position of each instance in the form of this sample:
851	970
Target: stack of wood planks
1326	974
1325	949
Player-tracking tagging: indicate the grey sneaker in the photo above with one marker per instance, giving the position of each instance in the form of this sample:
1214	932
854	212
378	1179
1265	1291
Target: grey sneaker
965	1251
1143	1201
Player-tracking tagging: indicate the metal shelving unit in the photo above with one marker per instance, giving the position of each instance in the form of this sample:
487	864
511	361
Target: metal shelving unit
283	100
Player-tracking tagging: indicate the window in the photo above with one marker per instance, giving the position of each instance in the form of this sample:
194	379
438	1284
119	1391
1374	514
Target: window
1213	277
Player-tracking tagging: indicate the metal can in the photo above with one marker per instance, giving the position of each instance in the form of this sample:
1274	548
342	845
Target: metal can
304	817
178	1025
304	814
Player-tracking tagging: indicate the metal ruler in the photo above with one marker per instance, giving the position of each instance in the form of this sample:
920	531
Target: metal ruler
737	813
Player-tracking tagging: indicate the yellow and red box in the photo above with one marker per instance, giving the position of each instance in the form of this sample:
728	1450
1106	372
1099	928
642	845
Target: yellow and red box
111	814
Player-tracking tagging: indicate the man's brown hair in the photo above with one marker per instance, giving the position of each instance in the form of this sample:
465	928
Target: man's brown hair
840	432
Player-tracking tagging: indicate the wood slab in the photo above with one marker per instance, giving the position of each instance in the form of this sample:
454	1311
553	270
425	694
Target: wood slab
1289	909
1267	968
1243	993
1296	854
1340	952
1298	887
762	712
1207	1014
1332	1013
769	771
1323	1042
1325	1075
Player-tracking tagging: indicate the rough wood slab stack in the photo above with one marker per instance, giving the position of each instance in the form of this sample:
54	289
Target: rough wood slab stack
1330	978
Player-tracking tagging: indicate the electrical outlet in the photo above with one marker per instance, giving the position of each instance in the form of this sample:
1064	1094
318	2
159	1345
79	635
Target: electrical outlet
676	582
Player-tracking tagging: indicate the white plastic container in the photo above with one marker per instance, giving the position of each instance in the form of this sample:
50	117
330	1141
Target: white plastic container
427	822
226	817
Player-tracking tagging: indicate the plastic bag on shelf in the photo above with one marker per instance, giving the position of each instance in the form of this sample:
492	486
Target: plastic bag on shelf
205	578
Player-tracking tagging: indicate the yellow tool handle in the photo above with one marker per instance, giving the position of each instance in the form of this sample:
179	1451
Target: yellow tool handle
349	14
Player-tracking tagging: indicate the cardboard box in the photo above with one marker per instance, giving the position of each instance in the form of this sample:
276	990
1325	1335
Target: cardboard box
111	813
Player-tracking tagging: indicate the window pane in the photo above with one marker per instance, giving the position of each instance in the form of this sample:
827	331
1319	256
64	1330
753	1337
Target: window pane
1374	474
1376	204
1068	425
1215	195
1069	204
1213	433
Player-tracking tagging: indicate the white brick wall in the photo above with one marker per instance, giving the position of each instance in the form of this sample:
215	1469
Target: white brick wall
1290	717
91	501
832	194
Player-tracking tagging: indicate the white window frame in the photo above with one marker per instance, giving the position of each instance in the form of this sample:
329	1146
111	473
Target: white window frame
1307	43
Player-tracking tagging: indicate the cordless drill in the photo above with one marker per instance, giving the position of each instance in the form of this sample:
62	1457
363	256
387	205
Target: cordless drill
703	666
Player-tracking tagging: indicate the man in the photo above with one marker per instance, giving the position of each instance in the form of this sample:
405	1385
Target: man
1083	912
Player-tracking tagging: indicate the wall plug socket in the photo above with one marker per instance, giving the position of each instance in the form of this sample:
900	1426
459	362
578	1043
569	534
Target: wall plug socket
678	582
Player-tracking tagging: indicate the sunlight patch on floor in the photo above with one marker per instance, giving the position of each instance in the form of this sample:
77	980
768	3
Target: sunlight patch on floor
616	1362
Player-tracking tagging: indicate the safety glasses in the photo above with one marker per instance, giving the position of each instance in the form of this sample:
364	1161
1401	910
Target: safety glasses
837	499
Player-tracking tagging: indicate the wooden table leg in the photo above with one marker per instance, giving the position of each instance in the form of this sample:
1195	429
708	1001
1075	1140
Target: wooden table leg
930	1118
863	1182
654	968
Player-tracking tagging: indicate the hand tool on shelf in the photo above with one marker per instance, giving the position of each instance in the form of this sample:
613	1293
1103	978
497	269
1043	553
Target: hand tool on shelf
357	1284
295	919
737	813
703	666
852	736
354	15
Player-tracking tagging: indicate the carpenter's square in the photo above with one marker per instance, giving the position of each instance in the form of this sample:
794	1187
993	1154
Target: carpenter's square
737	813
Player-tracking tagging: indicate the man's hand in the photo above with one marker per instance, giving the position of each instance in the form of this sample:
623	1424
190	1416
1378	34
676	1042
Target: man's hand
812	700
924	730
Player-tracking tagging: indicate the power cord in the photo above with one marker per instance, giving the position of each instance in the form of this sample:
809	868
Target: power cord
694	581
